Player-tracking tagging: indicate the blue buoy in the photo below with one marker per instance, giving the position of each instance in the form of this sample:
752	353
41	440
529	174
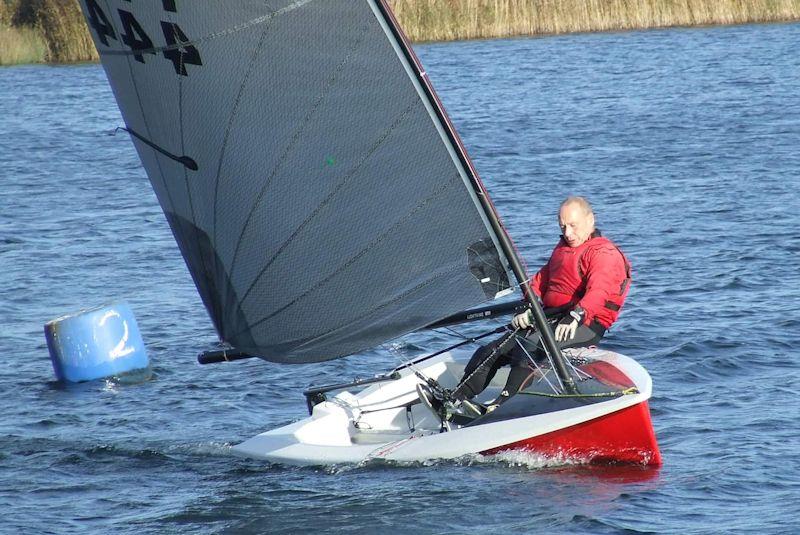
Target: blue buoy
95	343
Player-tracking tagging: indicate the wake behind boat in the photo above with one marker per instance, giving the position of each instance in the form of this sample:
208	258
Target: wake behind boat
324	205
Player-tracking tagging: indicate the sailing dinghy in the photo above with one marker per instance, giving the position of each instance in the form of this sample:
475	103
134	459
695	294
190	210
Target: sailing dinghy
324	205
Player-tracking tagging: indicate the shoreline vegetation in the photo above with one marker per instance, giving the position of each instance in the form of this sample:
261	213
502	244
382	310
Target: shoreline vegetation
54	31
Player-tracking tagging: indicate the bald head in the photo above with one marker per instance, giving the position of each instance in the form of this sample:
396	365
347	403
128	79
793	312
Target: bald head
576	219
578	201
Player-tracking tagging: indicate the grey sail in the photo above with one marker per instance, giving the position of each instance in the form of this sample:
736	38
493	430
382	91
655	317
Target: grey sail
317	194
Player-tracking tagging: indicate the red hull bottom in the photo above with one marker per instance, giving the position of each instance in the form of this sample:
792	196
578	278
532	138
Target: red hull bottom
624	436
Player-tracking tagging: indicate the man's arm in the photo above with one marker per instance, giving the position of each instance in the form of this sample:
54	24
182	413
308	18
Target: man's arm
538	284
539	281
605	275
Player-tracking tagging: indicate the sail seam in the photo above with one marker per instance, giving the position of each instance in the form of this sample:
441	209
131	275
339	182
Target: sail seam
171	202
209	37
378	143
223	151
390	231
382	306
290	146
229	127
210	274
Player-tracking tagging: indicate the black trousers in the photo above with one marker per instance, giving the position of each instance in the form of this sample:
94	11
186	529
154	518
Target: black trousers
506	351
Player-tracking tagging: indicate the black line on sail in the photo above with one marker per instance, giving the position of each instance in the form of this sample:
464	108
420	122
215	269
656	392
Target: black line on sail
375	146
209	274
221	33
383	305
390	231
330	83
170	202
234	111
187	162
347	325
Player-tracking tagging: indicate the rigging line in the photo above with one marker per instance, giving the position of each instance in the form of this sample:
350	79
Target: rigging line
389	232
577	370
510	335
412	364
329	84
234	29
462	336
327	199
480	257
406	362
171	202
541	371
237	101
615	394
470	340
448	331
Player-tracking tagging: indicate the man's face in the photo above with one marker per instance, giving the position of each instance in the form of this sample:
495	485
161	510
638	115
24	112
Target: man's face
576	226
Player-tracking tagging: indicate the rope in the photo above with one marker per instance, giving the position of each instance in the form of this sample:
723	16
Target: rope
626	392
542	373
509	336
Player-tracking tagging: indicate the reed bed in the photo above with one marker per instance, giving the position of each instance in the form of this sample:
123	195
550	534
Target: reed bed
64	30
444	20
21	45
54	30
37	31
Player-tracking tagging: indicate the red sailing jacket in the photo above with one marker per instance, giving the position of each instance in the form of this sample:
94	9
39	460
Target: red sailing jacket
595	275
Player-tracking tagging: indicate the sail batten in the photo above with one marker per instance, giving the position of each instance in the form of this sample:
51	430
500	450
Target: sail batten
330	209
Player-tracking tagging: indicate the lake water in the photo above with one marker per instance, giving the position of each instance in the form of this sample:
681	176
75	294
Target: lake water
686	141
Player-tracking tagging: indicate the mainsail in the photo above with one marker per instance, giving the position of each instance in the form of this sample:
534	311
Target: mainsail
315	188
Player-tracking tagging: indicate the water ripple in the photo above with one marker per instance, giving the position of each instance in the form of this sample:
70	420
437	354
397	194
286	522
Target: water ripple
685	141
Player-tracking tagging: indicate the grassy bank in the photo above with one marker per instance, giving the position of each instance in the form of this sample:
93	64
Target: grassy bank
442	20
21	45
35	31
39	31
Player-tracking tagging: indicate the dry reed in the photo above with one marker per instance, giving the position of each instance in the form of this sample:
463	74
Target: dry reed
20	45
442	20
58	24
64	30
61	26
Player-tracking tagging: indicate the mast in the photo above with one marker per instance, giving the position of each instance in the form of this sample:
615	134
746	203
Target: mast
505	241
538	314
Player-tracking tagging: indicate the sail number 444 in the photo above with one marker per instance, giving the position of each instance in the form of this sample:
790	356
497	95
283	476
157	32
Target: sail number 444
178	50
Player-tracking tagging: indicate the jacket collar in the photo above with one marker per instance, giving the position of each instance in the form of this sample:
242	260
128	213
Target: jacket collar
593	235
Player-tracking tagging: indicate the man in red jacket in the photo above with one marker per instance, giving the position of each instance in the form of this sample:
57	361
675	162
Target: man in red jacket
583	287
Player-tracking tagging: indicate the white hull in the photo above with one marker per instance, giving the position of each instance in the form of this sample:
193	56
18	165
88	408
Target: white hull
385	421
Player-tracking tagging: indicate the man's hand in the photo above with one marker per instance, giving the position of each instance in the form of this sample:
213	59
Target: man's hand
566	328
523	321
